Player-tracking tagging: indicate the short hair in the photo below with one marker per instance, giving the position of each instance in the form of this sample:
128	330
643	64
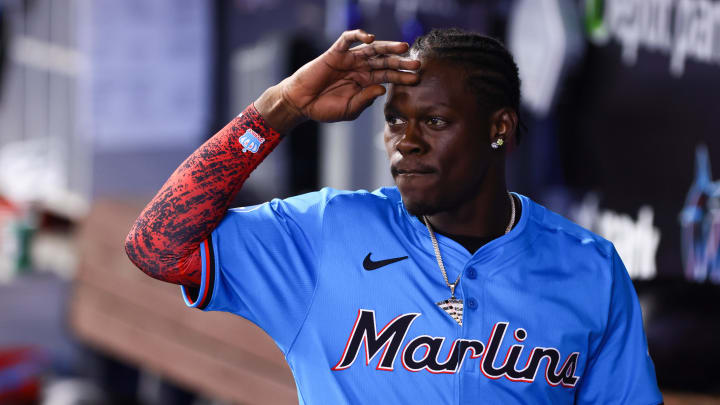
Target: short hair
491	70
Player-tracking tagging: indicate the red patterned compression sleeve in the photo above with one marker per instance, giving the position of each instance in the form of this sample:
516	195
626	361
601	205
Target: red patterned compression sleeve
165	239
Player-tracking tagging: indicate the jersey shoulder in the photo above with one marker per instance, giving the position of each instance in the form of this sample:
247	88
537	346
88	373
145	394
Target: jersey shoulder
328	195
315	205
361	201
567	233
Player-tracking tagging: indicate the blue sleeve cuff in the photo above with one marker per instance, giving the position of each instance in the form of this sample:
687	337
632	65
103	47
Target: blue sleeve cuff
200	297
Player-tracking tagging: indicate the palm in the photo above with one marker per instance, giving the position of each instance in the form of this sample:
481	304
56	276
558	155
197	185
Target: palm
342	82
333	104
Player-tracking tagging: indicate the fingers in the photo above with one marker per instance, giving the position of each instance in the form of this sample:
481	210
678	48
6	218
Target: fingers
350	37
363	99
381	48
365	79
394	76
393	62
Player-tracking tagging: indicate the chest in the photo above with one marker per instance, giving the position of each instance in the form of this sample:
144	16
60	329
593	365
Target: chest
377	309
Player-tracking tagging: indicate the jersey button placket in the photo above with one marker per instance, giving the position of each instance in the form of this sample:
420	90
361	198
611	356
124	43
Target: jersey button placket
471	302
472	322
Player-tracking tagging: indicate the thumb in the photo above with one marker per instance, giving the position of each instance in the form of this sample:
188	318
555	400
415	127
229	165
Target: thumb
364	99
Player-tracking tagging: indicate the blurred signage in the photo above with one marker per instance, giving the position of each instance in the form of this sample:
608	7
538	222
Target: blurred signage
645	95
683	29
635	240
700	220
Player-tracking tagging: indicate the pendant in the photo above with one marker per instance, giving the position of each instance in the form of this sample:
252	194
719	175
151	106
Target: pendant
453	307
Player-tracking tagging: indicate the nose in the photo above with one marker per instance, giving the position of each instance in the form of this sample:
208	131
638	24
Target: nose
411	141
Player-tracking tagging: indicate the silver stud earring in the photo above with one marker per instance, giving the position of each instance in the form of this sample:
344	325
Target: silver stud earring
497	144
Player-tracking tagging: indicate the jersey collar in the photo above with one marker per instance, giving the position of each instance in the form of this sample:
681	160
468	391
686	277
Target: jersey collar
514	242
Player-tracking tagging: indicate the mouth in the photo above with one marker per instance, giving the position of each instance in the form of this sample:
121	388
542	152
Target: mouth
408	169
412	171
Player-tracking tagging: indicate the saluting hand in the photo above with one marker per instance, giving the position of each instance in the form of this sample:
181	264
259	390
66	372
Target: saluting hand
339	84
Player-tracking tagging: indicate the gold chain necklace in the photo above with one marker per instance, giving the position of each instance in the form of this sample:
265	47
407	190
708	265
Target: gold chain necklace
452	305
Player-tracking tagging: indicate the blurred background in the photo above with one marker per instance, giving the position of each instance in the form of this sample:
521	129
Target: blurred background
101	99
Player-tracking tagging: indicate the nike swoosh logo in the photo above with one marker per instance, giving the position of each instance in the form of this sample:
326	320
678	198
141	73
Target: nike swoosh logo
369	264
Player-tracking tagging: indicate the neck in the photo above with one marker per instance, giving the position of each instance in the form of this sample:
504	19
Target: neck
485	214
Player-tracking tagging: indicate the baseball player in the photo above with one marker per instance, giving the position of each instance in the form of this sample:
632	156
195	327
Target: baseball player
446	289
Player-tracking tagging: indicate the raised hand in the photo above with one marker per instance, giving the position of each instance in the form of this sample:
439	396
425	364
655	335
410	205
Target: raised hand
339	84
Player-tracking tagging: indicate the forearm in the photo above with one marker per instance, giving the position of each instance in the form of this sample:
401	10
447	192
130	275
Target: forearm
336	86
164	240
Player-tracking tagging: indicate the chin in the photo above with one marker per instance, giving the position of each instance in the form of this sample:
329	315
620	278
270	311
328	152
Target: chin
419	201
420	208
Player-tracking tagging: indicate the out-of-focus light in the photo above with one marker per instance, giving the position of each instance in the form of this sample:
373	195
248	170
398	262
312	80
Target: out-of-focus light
47	56
546	38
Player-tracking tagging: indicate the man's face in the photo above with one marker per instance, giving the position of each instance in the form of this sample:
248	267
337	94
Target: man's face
437	140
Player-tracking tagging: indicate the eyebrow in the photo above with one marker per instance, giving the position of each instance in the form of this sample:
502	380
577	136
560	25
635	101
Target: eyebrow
390	109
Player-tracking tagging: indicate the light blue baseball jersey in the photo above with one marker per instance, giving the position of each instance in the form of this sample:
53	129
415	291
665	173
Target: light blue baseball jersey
346	283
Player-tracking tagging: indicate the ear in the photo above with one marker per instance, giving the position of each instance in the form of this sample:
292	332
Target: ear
503	125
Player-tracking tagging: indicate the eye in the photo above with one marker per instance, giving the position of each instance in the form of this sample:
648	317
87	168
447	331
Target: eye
437	122
393	121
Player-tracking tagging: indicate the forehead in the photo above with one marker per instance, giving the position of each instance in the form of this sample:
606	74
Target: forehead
441	83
